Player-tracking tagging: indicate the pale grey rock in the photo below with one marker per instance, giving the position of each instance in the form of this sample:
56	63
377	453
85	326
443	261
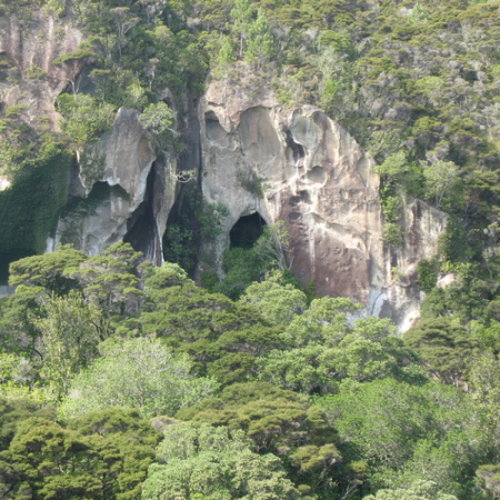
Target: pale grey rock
4	183
422	225
6	290
446	280
299	166
30	47
114	174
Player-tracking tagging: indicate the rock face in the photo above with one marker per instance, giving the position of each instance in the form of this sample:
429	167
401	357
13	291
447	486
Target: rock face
122	189
400	296
299	166
28	49
292	165
127	189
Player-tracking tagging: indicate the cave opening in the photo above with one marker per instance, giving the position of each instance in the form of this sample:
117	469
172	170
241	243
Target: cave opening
247	231
142	231
181	240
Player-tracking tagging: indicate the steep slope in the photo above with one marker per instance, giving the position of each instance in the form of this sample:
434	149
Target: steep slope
298	166
300	103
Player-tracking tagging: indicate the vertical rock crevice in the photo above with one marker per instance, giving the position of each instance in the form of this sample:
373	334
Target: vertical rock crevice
181	238
142	225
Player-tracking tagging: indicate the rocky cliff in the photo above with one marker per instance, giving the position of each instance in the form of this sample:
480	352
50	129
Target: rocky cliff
251	155
124	189
299	166
29	49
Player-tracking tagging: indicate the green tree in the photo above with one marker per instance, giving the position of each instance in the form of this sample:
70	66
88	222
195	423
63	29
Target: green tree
201	461
408	433
156	381
17	377
443	347
85	118
489	478
158	119
325	321
14	411
17	319
124	444
223	338
52	462
225	56
368	351
124	22
69	337
47	270
260	45
18	141
241	15
279	422
484	379
159	279
102	456
397	170
300	369
419	490
275	299
442	179
111	281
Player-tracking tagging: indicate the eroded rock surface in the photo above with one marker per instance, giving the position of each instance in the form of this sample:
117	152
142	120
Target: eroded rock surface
400	296
127	190
299	166
28	49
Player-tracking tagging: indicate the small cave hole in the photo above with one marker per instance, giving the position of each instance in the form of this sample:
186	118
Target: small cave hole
317	174
142	231
247	231
296	148
213	128
305	197
469	75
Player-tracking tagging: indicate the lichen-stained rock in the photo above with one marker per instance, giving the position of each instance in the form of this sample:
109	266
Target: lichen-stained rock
124	157
400	298
299	166
28	49
126	187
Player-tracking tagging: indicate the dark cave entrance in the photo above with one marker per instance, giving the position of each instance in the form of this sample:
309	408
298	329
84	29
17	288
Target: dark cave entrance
142	232
181	241
247	231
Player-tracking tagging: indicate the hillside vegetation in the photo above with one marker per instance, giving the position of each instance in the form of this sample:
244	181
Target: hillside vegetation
119	380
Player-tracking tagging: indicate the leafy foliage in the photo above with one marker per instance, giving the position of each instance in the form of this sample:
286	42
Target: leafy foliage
351	410
69	338
101	456
158	383
203	461
47	270
443	347
367	417
30	206
420	490
413	432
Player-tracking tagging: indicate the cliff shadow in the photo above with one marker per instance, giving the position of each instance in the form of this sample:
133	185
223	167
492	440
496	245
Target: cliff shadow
246	231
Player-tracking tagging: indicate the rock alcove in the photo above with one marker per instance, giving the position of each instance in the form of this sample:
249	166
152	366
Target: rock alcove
247	231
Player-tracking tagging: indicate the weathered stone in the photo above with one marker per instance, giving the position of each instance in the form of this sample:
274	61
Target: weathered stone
422	225
299	166
122	161
30	49
4	183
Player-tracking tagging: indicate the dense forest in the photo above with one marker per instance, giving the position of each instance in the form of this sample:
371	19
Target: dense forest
123	380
